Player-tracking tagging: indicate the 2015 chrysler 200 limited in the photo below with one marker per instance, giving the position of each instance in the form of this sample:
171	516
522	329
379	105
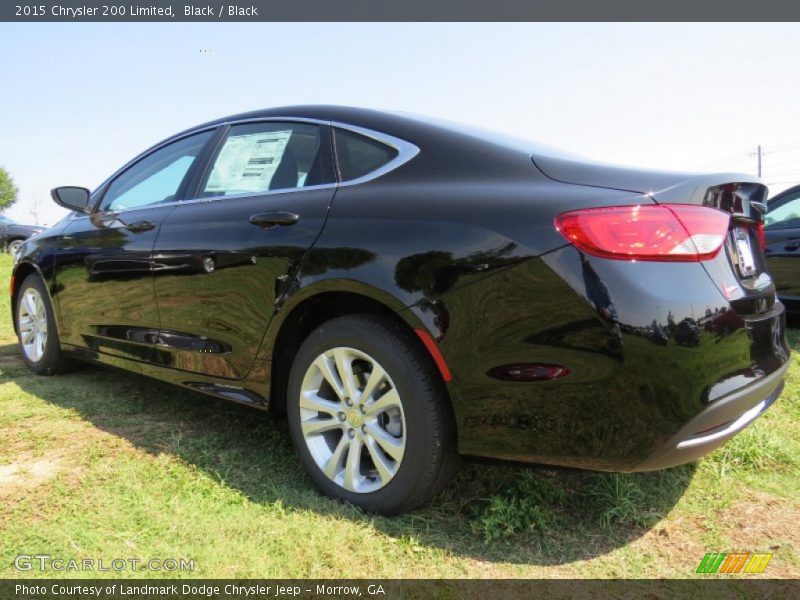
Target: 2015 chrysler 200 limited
404	290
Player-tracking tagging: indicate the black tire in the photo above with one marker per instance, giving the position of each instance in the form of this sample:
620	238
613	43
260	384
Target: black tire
430	459
52	360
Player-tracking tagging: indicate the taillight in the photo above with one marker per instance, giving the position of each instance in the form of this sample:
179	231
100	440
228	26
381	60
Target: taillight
659	232
762	240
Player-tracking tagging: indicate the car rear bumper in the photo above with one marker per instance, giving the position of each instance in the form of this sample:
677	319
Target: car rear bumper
719	422
661	367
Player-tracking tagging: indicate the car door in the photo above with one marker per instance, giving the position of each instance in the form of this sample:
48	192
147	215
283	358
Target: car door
782	237
223	258
104	270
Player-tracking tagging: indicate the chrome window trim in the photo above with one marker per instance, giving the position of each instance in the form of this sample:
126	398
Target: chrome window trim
405	152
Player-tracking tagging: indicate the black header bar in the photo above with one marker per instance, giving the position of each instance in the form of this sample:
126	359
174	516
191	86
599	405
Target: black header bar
399	10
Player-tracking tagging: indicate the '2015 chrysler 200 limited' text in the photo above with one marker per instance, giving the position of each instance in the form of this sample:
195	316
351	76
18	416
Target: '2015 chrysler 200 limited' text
404	290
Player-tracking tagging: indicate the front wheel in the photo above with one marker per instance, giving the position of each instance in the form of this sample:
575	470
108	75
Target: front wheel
369	416
36	328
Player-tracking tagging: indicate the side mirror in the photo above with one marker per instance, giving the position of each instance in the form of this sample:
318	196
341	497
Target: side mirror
72	198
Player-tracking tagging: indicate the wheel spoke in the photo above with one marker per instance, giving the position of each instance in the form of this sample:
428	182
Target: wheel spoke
40	340
385	469
390	444
390	399
312	401
376	378
29	305
334	463
344	364
323	363
352	470
317	426
27	335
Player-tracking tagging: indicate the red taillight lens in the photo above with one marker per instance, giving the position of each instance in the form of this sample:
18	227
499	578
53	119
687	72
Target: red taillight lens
660	232
762	240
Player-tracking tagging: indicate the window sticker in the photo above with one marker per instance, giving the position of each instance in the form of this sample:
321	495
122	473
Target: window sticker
248	162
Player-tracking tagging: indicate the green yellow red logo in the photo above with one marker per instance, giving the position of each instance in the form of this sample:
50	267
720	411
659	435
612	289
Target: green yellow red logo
734	562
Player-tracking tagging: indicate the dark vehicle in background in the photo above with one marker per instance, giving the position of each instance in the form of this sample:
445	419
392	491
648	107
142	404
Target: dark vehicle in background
404	290
782	251
12	234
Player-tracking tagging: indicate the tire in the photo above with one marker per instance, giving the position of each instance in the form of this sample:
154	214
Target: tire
36	328
405	433
14	246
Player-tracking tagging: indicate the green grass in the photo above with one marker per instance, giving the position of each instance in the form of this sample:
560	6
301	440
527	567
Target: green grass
104	464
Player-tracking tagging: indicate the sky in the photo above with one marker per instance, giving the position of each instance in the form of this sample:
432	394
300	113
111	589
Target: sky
78	100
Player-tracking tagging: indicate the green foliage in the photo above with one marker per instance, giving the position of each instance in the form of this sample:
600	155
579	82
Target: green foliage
522	507
757	447
8	191
618	498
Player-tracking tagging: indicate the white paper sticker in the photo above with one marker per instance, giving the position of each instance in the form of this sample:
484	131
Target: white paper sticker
248	162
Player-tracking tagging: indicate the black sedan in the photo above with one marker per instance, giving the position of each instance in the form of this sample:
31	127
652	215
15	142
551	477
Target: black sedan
12	234
405	290
782	232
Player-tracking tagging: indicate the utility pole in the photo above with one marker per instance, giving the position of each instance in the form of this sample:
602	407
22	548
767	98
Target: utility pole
34	210
759	160
758	154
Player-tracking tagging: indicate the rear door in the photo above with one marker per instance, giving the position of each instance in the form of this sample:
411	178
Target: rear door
223	258
782	232
104	269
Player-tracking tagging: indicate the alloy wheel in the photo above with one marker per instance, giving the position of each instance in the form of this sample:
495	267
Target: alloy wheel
352	420
32	324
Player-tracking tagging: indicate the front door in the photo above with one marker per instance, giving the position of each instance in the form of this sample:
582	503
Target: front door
104	274
222	259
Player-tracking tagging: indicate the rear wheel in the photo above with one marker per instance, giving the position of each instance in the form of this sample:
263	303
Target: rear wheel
369	417
14	246
36	328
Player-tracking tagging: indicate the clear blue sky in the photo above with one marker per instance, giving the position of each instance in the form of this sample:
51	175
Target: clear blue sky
78	100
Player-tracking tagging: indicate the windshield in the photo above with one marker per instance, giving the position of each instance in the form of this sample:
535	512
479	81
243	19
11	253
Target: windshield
6	220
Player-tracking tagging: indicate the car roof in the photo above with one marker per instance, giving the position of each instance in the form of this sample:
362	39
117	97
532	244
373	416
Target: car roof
417	129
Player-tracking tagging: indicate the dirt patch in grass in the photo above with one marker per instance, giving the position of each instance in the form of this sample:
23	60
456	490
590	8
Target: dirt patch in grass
765	523
25	474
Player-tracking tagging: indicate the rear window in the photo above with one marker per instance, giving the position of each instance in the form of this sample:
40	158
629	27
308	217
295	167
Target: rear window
358	155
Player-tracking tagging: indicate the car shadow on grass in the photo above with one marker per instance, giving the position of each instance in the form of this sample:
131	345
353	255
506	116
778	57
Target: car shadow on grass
491	512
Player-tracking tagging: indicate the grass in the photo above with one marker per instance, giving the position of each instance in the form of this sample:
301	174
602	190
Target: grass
105	464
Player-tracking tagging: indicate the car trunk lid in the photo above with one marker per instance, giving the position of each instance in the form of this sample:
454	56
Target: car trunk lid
739	271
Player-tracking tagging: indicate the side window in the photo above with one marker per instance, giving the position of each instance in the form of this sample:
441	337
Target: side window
784	216
157	177
260	157
358	155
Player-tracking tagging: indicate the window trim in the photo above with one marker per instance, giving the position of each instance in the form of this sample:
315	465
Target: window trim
405	152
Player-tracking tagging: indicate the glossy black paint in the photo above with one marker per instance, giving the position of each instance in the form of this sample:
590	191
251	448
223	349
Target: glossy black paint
460	242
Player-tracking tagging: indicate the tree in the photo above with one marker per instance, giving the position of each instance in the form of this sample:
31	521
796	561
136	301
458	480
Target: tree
8	191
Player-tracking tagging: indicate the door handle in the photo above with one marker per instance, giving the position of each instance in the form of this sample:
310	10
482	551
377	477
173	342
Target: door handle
792	245
271	219
140	226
